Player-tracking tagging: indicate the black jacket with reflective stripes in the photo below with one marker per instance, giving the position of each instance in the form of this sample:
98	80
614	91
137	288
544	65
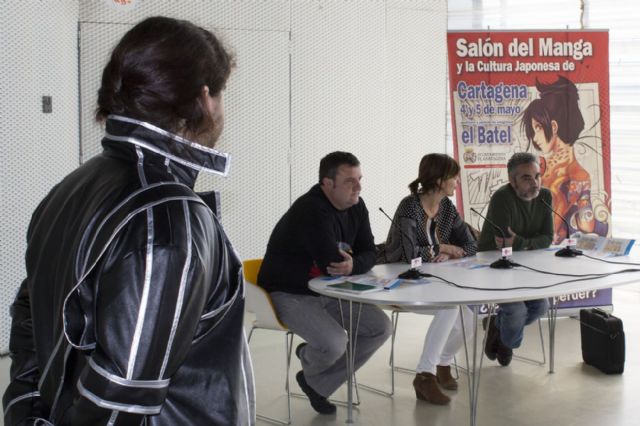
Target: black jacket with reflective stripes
132	309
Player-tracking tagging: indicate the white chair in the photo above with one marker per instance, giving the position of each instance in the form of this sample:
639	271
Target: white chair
258	302
395	316
540	362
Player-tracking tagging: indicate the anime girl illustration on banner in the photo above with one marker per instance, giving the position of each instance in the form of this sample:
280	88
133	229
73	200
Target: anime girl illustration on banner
544	92
553	124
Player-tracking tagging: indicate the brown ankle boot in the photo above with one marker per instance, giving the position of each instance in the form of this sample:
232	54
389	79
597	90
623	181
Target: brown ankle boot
426	386
445	379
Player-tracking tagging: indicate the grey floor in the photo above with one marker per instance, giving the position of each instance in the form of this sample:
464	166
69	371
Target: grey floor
521	394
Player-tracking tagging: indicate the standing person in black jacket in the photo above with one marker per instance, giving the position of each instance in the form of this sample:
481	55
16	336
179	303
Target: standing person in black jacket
326	231
132	309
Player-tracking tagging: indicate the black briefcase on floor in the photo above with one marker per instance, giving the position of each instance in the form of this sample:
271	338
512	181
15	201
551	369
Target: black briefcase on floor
602	340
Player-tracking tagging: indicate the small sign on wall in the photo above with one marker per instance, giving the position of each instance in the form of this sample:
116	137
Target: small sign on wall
121	4
47	104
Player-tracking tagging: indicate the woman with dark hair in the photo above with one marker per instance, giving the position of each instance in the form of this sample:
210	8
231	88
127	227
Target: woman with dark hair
553	124
427	225
132	308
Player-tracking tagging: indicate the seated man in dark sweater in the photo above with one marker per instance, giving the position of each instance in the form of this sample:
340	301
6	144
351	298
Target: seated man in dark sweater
519	209
325	232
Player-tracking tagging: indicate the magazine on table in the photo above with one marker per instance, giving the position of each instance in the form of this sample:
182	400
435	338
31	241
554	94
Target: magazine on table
366	283
604	246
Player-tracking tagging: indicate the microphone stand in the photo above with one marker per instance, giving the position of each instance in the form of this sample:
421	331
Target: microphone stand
568	250
411	273
502	263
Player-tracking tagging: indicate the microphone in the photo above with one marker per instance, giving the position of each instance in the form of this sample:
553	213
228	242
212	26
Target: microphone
502	263
569	250
412	273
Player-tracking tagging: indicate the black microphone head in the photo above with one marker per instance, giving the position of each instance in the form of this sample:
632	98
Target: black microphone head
385	213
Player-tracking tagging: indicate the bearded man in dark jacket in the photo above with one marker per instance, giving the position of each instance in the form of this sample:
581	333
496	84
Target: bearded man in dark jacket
132	309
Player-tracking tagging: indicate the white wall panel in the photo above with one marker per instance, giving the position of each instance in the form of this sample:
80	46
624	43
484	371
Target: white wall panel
96	41
416	97
256	192
39	58
370	79
255	15
338	88
431	5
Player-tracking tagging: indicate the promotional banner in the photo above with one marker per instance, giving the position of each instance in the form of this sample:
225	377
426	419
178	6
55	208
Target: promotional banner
545	92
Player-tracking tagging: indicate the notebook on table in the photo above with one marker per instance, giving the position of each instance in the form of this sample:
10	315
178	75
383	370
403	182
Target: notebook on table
351	287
